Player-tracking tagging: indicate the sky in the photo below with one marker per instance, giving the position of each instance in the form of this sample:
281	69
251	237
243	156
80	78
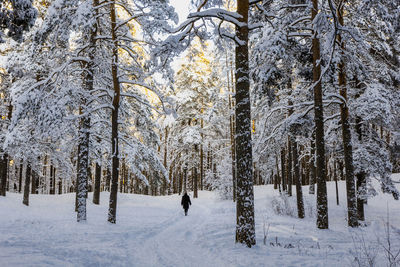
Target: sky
181	7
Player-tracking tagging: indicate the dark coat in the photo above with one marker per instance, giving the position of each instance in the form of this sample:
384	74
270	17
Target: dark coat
186	201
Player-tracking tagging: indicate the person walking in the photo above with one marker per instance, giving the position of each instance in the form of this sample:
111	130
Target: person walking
186	202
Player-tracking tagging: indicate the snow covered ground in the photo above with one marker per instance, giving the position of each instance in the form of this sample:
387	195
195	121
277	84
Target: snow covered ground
152	231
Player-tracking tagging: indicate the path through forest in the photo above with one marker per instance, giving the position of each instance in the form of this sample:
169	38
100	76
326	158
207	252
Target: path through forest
153	231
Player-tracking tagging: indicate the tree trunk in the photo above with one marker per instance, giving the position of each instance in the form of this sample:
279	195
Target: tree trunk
83	166
77	180
336	183
184	180
245	225
361	180
289	171
232	131
180	184
25	200
164	188
112	211
33	182
297	180
108	179
283	169
97	178
312	167
322	199
21	167
346	134
83	169
122	177
51	181
4	162
3	174
60	186
195	193
277	180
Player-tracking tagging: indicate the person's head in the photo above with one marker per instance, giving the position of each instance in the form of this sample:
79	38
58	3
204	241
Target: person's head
185	193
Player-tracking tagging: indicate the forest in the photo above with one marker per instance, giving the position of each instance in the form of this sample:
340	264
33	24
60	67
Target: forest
107	99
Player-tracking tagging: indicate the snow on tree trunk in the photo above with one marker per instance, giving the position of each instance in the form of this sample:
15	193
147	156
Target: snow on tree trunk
245	226
83	168
361	178
25	200
312	166
322	199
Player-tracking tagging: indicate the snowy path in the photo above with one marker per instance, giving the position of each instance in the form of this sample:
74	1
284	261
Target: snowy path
153	231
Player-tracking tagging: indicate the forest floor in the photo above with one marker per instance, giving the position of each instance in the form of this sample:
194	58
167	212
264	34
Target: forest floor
153	231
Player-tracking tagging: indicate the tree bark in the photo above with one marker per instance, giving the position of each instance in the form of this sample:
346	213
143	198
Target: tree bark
195	178
25	200
245	226
60	186
346	135
312	167
322	199
336	183
33	182
3	173
51	181
97	179
112	211
82	169
283	169
232	129
21	167
164	188
289	171
108	180
361	179
297	180
184	180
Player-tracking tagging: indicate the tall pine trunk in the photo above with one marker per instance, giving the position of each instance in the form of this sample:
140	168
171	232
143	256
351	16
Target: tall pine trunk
21	167
84	136
346	135
97	178
82	176
34	178
25	200
297	180
322	199
108	179
289	171
283	169
3	173
245	226
361	178
112	211
231	126
51	192
311	164
195	181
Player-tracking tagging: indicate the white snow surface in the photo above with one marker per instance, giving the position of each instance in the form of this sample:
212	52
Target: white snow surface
153	231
